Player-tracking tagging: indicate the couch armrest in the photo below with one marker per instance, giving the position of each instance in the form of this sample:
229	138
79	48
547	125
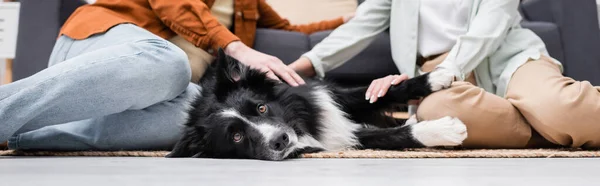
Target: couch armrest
39	24
577	22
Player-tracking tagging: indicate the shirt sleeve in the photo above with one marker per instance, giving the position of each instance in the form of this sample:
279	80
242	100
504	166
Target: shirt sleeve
372	17
192	20
485	34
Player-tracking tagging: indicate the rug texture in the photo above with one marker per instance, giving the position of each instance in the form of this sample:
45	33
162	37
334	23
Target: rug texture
408	153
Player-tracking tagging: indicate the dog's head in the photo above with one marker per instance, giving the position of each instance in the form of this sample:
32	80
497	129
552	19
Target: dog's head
241	114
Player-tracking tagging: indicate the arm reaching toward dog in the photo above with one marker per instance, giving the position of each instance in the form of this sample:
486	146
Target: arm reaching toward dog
197	25
303	66
372	17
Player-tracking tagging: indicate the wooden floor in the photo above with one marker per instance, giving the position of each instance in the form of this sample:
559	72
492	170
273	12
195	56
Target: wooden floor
94	171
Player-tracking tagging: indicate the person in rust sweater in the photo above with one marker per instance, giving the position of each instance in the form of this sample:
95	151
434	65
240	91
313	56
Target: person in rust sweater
119	74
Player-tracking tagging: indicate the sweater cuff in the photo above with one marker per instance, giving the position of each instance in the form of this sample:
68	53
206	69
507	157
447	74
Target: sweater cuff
220	37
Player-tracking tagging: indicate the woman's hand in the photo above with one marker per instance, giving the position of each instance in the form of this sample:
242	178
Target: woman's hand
303	66
266	63
379	87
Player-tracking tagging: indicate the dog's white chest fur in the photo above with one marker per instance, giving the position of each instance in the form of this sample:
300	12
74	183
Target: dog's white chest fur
336	130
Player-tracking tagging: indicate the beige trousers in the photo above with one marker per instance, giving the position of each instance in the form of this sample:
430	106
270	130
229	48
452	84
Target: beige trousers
542	108
198	58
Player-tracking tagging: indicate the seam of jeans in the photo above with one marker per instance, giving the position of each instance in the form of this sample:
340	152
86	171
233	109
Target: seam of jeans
61	52
66	52
162	43
57	51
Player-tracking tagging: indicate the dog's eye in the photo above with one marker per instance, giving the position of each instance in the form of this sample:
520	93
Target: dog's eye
261	108
238	137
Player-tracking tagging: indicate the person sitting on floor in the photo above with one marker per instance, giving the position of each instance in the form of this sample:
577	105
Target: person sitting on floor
118	78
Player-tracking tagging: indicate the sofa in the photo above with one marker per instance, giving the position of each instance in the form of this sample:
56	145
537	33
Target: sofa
568	28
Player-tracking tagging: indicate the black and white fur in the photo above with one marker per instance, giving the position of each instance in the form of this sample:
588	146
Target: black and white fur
227	120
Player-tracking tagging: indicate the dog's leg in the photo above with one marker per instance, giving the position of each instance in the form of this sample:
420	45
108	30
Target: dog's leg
442	132
411	89
360	110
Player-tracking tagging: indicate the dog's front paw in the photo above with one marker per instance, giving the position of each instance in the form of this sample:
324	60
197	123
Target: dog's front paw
412	120
447	131
440	79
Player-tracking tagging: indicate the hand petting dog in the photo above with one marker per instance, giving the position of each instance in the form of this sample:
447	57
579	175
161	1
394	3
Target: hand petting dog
273	66
379	87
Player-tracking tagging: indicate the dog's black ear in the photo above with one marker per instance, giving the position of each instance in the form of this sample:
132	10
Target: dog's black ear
227	74
229	68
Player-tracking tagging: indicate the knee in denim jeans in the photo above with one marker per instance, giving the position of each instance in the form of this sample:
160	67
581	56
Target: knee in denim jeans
166	54
168	64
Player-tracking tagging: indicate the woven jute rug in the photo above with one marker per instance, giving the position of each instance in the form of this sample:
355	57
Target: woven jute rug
408	153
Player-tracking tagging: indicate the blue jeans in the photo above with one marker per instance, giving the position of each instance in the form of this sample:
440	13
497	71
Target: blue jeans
126	89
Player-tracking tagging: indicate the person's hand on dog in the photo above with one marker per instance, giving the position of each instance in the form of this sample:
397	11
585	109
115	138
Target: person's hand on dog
379	87
270	64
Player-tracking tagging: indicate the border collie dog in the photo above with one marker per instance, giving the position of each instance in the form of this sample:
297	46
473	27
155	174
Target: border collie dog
242	114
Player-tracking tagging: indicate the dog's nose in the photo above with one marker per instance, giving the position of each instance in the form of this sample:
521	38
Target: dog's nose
280	142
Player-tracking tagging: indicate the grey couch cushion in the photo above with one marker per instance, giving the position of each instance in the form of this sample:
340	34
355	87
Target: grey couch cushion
287	46
550	35
39	24
373	62
578	26
36	39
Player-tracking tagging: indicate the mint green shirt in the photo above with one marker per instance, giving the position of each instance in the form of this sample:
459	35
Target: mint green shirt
494	46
